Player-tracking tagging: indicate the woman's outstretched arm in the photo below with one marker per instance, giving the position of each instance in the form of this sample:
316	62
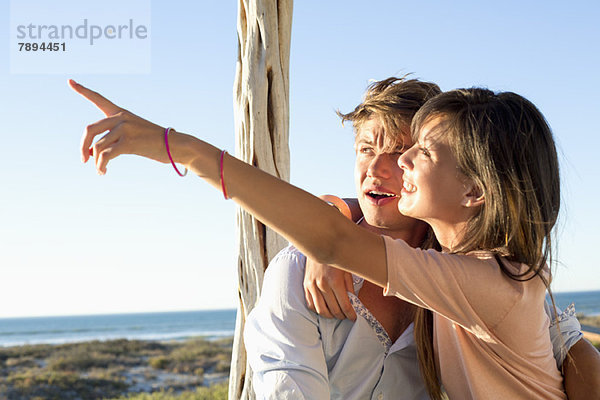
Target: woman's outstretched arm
317	229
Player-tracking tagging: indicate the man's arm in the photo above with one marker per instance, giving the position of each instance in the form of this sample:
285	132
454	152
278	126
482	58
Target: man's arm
582	372
282	336
325	287
581	368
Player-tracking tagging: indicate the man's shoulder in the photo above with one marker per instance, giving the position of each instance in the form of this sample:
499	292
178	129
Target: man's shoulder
282	295
282	282
289	253
288	264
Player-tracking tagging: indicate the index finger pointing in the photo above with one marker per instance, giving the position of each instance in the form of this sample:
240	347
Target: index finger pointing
105	105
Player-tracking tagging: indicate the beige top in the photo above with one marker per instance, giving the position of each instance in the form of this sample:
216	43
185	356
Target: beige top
490	332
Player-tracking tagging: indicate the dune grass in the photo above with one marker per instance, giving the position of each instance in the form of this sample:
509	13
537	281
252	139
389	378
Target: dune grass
115	369
591	321
215	392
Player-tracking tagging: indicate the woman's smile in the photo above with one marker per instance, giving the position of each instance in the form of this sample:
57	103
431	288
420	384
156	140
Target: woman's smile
408	188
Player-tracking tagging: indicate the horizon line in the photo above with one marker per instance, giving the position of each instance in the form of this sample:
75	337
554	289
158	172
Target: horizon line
100	314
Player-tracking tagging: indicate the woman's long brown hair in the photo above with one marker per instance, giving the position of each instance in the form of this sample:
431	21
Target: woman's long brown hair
504	145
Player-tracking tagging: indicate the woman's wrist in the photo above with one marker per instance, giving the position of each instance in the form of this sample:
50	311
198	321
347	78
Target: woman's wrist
194	154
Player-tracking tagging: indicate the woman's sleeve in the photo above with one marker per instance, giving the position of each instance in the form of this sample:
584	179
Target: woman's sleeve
468	290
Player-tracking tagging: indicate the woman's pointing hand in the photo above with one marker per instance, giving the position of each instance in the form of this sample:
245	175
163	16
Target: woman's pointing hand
127	133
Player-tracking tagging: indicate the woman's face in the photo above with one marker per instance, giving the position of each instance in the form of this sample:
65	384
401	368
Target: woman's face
434	189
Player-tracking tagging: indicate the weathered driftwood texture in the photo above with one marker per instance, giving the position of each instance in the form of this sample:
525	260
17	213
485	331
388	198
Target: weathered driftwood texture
261	95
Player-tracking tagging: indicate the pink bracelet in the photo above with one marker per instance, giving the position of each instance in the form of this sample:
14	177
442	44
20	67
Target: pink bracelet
221	174
169	152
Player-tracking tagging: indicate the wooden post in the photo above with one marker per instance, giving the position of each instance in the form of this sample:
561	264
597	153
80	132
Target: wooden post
261	97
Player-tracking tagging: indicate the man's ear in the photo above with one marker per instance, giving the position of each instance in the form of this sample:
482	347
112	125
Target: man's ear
473	195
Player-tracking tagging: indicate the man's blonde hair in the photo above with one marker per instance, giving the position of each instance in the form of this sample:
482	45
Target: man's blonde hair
394	102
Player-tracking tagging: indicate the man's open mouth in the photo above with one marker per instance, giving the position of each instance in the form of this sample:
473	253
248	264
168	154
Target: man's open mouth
379	195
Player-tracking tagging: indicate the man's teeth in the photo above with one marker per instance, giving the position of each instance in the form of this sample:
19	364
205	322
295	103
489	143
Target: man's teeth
408	187
376	193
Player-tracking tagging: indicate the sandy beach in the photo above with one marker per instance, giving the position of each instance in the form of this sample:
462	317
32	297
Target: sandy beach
592	337
590	327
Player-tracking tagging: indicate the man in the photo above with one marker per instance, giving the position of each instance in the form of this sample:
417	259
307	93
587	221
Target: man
297	354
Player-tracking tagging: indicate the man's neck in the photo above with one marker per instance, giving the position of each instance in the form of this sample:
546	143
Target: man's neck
413	234
394	314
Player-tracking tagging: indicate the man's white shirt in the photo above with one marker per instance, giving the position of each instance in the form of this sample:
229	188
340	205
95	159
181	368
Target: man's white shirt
296	354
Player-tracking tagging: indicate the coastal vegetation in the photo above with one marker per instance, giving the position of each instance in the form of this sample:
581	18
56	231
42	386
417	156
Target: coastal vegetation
217	391
594	322
116	369
589	320
195	369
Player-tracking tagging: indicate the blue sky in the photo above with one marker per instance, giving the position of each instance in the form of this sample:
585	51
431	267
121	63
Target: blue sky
143	239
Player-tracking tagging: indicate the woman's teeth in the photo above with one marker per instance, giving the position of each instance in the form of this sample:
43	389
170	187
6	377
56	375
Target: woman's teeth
409	188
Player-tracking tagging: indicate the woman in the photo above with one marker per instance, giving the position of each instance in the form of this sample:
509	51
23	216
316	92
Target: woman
483	174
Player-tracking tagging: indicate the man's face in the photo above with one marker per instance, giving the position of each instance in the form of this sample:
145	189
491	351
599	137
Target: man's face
378	177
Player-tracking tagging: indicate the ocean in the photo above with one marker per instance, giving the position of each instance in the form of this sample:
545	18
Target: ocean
171	325
143	326
587	303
